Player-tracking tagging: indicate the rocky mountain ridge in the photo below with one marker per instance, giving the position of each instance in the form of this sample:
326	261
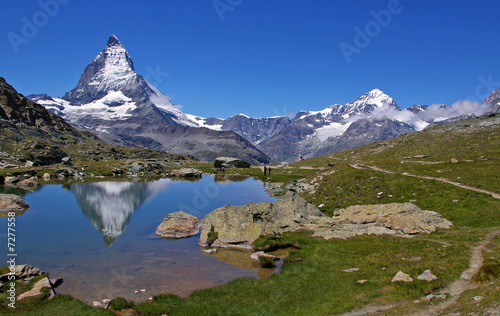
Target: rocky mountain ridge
112	101
121	107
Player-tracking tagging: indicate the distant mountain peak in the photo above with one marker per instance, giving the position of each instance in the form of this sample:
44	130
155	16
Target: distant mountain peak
375	91
375	98
113	41
111	70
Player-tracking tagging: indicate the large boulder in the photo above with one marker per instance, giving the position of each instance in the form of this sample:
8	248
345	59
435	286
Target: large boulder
179	225
187	172
239	226
228	162
12	203
393	218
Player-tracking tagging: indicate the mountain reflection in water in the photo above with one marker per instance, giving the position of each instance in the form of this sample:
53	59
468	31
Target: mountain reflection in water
109	205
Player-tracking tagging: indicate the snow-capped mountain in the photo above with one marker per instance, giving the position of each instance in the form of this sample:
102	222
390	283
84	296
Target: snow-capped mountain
122	108
374	116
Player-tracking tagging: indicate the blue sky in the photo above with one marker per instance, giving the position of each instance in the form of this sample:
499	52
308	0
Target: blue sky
262	57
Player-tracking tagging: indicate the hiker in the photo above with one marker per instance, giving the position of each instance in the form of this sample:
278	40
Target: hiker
265	170
269	171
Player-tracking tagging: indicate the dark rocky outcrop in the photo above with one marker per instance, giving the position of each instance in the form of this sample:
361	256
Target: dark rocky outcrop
229	162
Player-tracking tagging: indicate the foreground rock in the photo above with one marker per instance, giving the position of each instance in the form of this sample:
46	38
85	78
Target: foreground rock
228	162
239	226
427	276
12	203
394	218
402	277
179	225
187	172
38	289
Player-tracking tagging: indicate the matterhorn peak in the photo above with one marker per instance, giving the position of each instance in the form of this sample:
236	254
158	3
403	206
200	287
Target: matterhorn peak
113	41
110	71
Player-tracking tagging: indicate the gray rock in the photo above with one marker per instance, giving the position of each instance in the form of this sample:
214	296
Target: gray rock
55	282
239	226
12	203
12	179
427	276
393	218
350	270
432	297
37	289
229	162
213	250
66	160
187	172
256	255
402	277
179	225
30	182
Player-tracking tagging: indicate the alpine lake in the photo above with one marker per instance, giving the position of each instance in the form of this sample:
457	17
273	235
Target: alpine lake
100	237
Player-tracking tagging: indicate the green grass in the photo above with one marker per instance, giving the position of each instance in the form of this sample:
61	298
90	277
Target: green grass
349	186
316	285
39	305
311	281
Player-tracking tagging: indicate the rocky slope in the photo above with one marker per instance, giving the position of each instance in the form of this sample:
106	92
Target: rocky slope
121	107
494	99
31	135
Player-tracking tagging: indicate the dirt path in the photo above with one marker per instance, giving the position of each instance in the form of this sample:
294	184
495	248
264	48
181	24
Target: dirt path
444	180
465	282
455	289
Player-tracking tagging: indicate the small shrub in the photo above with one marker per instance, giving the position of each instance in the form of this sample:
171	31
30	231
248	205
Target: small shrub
266	262
120	303
488	272
212	236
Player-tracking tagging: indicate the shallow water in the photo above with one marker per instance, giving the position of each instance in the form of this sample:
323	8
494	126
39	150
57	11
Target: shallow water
99	237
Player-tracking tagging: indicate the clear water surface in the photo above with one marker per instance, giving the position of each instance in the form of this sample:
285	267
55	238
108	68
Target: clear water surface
99	237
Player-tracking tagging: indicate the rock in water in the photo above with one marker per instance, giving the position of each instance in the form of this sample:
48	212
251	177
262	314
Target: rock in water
402	277
179	225
239	226
255	256
187	172
31	182
12	203
228	162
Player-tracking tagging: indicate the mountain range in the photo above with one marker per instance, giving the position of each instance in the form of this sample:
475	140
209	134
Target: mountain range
112	101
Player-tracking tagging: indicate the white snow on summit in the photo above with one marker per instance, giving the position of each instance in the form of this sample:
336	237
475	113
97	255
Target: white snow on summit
113	106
